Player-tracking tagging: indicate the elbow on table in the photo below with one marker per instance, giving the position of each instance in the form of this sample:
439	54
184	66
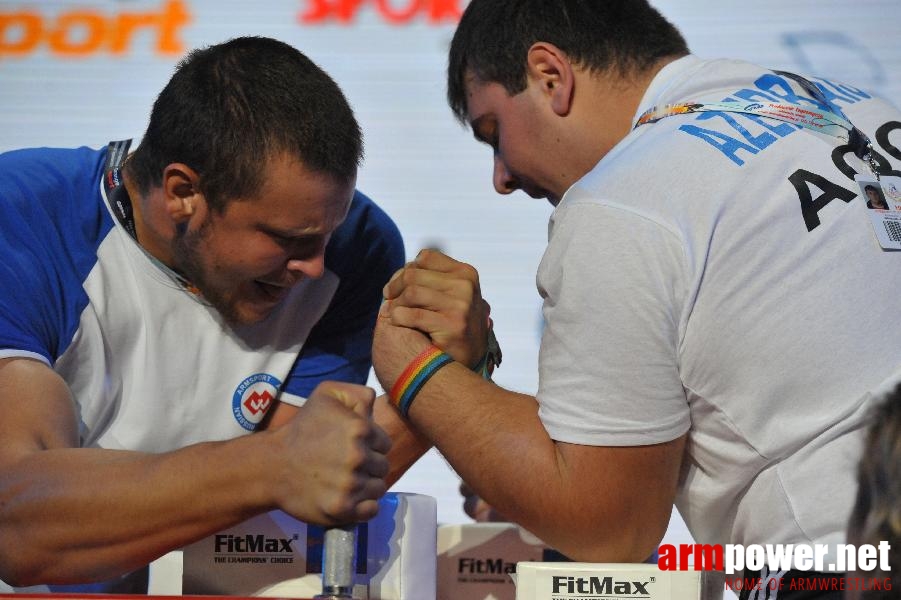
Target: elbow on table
25	561
17	570
630	544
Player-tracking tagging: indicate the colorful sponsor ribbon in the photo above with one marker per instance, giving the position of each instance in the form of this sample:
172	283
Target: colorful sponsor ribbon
817	120
826	118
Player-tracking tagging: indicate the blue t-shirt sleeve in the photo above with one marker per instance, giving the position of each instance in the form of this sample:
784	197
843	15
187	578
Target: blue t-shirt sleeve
364	252
52	222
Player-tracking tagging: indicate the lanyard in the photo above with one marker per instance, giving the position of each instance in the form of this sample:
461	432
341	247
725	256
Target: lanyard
116	194
827	118
120	202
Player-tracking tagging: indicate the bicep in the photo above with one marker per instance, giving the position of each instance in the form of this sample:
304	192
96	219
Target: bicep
38	410
628	489
610	363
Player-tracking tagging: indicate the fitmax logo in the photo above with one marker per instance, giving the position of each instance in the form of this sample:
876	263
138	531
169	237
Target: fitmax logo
600	586
240	544
485	566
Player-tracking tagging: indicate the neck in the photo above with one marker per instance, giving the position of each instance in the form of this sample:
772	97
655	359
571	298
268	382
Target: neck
610	105
151	236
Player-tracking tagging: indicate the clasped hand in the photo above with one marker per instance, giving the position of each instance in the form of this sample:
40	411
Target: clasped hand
432	300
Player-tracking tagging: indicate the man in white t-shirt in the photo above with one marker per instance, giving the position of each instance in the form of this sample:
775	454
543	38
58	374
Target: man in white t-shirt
718	309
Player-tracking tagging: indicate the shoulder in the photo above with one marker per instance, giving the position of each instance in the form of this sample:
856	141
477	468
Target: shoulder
54	195
54	220
53	185
368	238
368	219
36	167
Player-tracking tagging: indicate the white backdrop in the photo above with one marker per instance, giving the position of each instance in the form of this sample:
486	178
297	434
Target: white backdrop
70	74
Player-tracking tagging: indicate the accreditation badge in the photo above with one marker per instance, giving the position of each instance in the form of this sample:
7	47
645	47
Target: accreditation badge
882	199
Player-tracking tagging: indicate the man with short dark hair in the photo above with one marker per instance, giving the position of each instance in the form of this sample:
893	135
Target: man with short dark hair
707	286
156	306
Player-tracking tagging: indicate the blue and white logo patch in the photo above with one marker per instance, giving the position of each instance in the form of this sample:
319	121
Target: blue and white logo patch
253	398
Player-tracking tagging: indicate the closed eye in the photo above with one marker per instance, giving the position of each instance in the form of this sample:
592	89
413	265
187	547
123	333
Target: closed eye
297	245
485	131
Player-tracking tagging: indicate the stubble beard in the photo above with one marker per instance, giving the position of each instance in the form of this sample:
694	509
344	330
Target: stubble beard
188	255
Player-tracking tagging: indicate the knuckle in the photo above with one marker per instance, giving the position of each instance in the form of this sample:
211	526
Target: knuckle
412	295
365	395
408	276
357	427
380	488
380	468
356	458
339	508
383	442
414	317
467	290
469	272
367	509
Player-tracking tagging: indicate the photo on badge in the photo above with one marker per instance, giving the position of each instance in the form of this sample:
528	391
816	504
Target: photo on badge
873	194
882	199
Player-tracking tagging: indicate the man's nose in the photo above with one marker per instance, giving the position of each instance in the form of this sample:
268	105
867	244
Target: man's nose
504	182
312	266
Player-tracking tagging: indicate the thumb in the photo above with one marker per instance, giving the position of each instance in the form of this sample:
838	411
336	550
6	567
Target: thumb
357	398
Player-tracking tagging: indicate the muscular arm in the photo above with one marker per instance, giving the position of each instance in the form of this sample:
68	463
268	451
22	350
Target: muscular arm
593	503
71	514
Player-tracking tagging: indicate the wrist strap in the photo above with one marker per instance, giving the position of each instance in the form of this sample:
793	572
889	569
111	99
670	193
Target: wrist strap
492	358
414	376
428	362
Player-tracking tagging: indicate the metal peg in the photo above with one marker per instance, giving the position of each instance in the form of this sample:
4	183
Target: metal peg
339	563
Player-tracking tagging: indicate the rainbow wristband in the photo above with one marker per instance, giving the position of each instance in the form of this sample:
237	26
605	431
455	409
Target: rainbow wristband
411	380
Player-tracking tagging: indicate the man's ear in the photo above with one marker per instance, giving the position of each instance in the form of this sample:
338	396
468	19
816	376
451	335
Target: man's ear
182	192
551	68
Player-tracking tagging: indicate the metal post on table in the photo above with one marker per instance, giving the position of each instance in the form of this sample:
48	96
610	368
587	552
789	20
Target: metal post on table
339	563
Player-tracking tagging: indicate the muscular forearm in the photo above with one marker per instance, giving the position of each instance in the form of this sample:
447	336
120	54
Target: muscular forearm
592	503
496	442
70	514
407	444
75	514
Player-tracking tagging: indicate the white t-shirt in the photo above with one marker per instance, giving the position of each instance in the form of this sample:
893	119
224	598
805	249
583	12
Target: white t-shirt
697	279
150	367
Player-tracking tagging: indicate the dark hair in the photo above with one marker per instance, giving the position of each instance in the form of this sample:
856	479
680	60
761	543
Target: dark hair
493	38
877	511
230	107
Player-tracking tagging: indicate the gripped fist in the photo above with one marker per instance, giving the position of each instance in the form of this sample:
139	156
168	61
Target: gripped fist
440	297
331	457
